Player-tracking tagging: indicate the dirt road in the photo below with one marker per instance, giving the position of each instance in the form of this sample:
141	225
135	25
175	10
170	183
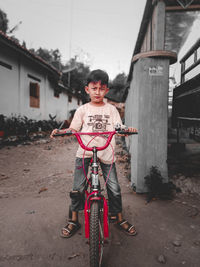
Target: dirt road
35	181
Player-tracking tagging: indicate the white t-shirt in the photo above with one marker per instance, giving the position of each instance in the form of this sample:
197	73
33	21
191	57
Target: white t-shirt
89	118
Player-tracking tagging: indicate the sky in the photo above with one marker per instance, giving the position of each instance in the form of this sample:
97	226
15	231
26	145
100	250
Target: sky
102	33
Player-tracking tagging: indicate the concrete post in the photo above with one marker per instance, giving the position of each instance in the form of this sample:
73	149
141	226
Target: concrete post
148	104
159	26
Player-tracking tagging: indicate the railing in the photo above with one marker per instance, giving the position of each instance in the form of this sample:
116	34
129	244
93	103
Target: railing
186	96
195	52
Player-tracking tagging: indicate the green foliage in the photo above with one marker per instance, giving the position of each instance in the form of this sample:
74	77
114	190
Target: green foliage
2	121
3	21
51	56
119	82
154	180
22	126
156	187
117	87
77	79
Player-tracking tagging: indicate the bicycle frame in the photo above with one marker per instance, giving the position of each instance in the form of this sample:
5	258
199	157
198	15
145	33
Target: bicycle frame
95	202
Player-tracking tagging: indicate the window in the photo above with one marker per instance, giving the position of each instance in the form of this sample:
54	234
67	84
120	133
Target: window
5	65
33	77
34	95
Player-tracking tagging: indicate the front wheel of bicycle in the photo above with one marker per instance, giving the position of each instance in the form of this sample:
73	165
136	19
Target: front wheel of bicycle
96	236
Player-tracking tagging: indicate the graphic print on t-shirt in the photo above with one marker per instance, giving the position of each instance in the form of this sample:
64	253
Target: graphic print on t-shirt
98	122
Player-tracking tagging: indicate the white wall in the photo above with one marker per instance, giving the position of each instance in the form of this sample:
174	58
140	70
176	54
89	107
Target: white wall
56	106
14	90
25	109
9	85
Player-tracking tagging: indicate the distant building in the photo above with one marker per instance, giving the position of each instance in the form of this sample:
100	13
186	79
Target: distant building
31	87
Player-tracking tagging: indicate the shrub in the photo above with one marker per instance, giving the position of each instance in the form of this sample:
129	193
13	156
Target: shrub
22	126
156	186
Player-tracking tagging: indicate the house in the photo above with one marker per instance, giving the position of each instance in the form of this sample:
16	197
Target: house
186	97
164	29
31	87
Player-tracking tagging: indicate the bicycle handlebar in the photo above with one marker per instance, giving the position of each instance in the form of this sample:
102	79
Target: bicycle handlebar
110	136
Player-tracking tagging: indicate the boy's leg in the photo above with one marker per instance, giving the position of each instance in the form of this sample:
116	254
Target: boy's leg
114	197
80	184
113	188
77	195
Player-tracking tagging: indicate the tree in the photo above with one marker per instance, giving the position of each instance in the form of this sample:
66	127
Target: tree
44	54
3	21
117	87
76	79
119	82
14	39
52	57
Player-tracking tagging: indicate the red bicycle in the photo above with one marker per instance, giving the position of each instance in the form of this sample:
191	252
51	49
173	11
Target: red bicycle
96	207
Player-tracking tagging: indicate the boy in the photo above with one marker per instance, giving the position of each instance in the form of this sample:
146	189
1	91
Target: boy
96	116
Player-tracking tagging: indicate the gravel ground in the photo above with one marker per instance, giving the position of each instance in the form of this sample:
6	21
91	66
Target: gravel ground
35	182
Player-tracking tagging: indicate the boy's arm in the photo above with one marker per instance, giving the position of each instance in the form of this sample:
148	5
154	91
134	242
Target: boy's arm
74	126
77	120
119	121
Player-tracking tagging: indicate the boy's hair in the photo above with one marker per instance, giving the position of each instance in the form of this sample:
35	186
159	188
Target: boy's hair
96	76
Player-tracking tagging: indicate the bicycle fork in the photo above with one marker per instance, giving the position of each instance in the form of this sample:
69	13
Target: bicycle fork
95	195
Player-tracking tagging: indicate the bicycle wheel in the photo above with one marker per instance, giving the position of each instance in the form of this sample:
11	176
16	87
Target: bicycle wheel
96	236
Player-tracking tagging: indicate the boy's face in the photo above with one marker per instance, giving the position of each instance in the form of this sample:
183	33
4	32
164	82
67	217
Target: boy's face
96	91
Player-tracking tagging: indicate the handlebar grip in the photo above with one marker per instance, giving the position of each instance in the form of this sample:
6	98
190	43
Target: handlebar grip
62	134
126	133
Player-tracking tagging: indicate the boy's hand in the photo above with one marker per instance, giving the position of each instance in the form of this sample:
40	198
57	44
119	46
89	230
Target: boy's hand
129	129
134	130
56	131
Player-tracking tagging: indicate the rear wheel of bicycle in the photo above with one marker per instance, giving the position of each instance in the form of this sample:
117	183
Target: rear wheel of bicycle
96	236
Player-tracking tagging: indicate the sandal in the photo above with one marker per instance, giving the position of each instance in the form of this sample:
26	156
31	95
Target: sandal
128	229
71	232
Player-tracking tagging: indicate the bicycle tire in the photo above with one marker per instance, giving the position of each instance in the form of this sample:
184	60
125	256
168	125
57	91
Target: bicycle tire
96	242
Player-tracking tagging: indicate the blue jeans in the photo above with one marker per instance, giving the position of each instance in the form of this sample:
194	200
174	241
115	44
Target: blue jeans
80	184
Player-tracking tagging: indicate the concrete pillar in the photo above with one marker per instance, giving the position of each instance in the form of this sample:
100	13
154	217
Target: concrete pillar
148	105
158	30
